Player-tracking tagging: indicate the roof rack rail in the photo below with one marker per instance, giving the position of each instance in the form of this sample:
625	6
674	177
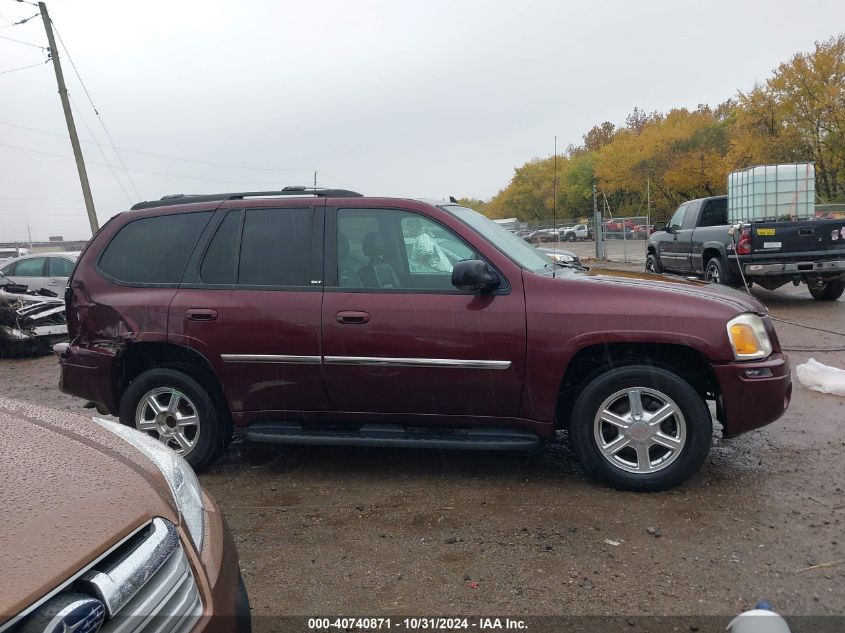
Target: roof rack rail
181	198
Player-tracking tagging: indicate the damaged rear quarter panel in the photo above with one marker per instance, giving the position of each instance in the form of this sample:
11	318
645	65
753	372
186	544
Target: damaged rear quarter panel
101	329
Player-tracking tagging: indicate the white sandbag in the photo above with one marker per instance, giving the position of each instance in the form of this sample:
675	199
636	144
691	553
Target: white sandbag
818	377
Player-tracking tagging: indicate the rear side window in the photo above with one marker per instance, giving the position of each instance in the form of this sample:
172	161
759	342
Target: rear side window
715	213
59	267
219	265
30	267
275	247
153	250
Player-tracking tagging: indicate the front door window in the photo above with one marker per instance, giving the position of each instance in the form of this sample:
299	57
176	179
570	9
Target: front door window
385	249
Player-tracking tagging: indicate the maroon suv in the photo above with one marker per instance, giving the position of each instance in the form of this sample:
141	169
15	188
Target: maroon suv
325	317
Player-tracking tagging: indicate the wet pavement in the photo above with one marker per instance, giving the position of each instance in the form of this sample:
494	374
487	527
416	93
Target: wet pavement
376	531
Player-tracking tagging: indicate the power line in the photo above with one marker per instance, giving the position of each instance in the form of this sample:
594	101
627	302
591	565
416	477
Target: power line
14	70
19	22
12	39
102	123
142	171
165	156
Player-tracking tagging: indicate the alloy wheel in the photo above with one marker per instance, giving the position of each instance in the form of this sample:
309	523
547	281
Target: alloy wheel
169	416
713	274
640	430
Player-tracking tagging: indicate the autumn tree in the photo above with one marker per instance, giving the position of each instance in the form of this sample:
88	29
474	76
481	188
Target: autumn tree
799	115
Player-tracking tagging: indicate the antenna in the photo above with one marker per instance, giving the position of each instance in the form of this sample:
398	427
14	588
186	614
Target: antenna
554	212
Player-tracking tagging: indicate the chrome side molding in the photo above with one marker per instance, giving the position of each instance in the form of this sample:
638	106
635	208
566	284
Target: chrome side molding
455	363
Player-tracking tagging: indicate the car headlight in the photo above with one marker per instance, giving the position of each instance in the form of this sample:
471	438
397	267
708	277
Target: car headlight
748	337
181	479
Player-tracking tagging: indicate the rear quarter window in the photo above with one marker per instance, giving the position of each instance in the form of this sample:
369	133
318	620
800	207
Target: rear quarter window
153	250
59	267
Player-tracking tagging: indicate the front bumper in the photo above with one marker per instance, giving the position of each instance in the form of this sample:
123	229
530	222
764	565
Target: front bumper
754	394
225	601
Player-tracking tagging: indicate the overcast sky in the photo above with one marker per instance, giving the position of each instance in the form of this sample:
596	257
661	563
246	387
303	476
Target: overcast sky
425	98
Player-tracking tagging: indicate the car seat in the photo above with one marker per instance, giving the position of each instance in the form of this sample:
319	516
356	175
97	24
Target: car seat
378	273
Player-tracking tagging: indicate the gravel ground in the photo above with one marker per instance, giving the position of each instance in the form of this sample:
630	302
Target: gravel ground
375	531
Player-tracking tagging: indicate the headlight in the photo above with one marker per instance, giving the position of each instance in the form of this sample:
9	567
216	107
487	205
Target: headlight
181	479
748	337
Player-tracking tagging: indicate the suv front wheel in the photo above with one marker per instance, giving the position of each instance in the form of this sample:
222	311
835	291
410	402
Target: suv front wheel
175	409
641	428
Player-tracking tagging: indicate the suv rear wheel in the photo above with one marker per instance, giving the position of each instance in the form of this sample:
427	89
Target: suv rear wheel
641	428
175	409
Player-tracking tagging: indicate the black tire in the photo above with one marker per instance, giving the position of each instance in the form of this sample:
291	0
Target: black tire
244	611
827	290
694	426
652	264
572	237
718	273
209	439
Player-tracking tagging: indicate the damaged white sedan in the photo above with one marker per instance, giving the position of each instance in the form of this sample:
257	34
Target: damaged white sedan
29	322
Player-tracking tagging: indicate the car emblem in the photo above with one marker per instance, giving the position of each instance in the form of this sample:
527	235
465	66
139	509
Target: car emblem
67	613
85	615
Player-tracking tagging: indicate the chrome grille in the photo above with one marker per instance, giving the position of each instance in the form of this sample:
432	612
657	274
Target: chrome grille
144	584
169	602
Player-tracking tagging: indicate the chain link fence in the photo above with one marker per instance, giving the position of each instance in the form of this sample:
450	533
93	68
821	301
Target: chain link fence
624	239
617	239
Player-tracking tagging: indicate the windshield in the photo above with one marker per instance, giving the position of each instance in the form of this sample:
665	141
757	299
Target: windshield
514	247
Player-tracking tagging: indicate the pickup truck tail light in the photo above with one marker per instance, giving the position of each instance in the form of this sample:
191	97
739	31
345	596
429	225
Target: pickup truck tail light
744	246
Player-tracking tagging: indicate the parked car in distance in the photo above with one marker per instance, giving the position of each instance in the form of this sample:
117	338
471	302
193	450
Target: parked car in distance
108	530
29	321
642	231
699	240
576	233
49	271
193	314
548	235
616	229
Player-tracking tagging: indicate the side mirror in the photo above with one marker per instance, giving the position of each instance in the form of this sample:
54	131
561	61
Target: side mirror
659	226
475	275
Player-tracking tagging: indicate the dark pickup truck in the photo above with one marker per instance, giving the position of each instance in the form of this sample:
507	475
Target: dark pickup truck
699	240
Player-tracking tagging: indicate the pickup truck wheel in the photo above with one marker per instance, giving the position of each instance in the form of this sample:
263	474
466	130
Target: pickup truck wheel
572	237
175	409
827	290
652	264
716	272
641	428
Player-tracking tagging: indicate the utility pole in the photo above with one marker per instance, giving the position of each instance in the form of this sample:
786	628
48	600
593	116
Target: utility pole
71	127
599	230
29	233
315	179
